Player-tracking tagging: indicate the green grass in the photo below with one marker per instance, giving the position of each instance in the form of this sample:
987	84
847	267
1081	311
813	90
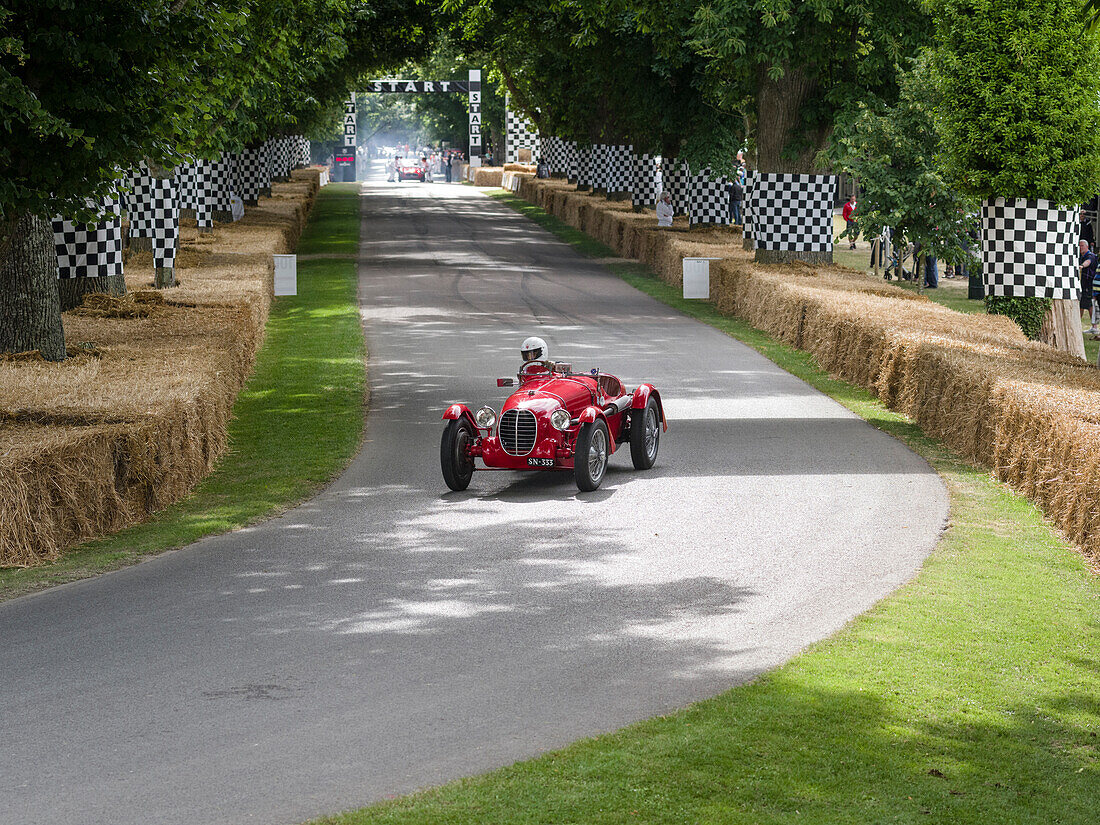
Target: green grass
295	425
971	695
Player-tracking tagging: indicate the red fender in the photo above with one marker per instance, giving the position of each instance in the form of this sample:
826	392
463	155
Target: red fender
641	398
456	411
589	416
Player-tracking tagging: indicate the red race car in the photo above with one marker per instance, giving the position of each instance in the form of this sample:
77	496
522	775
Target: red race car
410	171
556	420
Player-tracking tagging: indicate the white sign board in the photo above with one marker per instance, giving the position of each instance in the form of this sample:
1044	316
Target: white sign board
286	274
697	277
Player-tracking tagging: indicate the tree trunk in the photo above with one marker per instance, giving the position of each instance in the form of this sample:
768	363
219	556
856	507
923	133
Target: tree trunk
141	244
71	291
30	313
1062	328
164	277
782	146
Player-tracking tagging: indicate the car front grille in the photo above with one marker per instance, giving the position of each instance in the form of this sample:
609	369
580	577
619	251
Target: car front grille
517	432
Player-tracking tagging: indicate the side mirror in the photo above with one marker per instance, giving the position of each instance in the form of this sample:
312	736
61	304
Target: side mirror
506	382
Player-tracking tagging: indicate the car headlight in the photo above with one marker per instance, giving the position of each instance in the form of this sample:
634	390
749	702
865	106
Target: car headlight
486	417
559	420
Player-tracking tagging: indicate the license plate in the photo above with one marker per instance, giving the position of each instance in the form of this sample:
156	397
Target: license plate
540	462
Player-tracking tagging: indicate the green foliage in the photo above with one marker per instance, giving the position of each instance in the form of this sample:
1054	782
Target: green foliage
89	89
1028	313
1020	81
892	151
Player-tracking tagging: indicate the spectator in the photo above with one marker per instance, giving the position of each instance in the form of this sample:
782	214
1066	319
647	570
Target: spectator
849	213
1089	283
543	170
737	194
664	210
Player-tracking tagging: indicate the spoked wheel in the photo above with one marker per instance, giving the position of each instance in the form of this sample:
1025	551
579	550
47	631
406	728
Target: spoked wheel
645	435
590	458
457	464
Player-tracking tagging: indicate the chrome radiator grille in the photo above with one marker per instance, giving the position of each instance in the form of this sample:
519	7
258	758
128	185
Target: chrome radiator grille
517	432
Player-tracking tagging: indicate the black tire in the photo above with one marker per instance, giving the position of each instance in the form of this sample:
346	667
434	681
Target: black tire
645	435
590	457
458	467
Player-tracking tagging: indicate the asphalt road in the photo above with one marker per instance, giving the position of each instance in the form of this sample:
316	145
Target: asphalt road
390	635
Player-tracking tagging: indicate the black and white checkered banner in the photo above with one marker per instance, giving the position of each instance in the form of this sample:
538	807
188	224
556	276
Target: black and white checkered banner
746	207
708	201
572	160
222	177
250	167
138	202
584	164
164	217
90	250
646	184
1029	249
194	190
519	133
677	182
303	154
599	165
620	168
793	212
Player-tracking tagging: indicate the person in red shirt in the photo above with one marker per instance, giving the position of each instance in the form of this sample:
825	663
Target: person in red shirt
849	214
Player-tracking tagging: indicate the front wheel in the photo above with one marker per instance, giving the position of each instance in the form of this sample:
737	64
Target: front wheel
590	457
454	455
645	435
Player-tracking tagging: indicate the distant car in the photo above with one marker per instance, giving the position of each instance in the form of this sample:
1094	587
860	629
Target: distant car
410	171
556	420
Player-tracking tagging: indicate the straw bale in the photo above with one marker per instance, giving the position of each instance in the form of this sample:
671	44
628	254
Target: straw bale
528	168
140	413
488	176
1027	412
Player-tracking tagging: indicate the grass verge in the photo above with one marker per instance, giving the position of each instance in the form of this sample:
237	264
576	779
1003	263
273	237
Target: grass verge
971	695
297	422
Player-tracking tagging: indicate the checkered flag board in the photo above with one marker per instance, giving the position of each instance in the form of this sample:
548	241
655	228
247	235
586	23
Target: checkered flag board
571	159
90	250
164	220
793	212
746	208
194	190
599	165
677	182
708	201
584	164
137	201
251	172
519	133
645	184
1029	249
302	158
222	174
620	168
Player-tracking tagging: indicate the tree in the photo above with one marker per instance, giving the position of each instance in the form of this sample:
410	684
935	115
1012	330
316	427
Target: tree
90	89
1019	83
894	152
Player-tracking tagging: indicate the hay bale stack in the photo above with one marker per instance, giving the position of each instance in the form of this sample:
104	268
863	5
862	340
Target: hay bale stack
1027	412
140	413
488	176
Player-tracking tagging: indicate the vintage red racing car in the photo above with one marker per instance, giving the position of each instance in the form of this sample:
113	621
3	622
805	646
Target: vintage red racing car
556	420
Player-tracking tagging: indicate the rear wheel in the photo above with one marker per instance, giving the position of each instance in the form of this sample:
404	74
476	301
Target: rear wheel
645	435
454	456
590	458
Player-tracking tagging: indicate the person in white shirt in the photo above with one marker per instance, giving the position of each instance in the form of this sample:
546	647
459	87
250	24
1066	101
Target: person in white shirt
664	210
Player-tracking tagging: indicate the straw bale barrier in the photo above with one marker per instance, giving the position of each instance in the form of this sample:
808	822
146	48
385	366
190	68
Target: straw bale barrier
139	413
1027	412
488	176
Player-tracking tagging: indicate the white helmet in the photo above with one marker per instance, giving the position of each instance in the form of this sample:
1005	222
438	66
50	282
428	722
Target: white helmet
534	349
